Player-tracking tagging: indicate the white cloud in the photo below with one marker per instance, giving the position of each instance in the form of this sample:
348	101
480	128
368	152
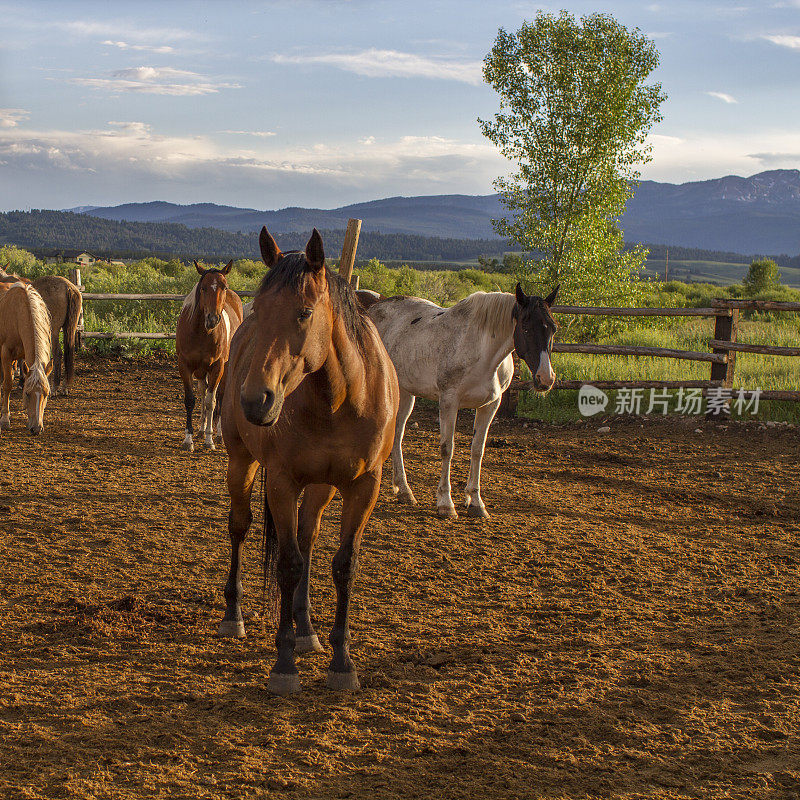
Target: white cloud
376	63
251	133
157	80
726	98
162	49
784	40
699	155
125	30
128	153
11	117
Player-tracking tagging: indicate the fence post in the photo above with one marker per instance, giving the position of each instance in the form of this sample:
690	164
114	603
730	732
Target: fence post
725	329
349	249
75	277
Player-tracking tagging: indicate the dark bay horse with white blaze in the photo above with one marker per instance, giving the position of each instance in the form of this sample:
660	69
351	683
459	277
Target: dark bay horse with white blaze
311	395
210	315
461	356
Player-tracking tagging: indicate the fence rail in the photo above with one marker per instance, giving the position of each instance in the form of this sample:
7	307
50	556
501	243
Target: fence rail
722	357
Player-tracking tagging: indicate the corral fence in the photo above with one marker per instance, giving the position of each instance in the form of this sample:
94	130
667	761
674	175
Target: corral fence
723	344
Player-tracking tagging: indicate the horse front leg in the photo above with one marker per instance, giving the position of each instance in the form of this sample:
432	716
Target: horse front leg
315	499
56	353
358	500
448	413
5	393
188	403
483	419
209	403
282	496
241	474
399	481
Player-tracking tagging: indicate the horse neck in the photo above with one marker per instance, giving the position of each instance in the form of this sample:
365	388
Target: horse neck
344	369
497	325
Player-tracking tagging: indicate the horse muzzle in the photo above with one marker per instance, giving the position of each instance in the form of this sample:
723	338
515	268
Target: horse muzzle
263	409
212	320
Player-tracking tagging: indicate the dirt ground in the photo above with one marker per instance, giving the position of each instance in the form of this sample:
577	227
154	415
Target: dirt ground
627	623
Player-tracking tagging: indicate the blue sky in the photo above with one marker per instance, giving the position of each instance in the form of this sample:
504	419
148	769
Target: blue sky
320	103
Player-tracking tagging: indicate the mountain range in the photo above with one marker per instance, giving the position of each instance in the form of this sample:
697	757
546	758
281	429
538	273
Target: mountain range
759	214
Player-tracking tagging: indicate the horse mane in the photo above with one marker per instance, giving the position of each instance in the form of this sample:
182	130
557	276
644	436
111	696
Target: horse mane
489	310
40	318
289	272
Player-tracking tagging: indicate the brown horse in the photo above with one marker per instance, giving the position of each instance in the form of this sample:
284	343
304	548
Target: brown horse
25	334
311	396
210	315
65	303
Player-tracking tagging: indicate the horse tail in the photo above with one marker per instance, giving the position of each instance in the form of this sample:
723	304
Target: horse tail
269	551
71	320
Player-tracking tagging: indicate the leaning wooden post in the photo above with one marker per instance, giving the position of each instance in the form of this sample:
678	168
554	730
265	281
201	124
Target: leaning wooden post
349	249
75	277
725	330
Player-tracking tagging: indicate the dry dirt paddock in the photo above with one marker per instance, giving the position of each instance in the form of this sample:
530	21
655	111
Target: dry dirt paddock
626	625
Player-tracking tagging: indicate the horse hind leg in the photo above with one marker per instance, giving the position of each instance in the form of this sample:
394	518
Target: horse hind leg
315	499
400	485
188	403
483	419
56	348
358	500
241	474
448	413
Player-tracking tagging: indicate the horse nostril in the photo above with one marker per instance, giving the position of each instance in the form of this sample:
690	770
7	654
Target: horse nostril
268	399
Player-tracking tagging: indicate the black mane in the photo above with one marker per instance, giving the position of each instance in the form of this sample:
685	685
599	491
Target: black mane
289	273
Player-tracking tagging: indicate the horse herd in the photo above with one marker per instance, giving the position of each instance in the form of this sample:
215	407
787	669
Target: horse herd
314	382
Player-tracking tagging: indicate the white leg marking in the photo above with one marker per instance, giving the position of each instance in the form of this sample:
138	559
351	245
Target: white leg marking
448	412
399	481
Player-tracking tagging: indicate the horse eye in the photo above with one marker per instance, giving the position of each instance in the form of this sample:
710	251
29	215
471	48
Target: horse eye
305	313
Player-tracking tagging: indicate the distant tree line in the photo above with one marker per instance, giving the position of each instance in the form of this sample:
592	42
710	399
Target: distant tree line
50	232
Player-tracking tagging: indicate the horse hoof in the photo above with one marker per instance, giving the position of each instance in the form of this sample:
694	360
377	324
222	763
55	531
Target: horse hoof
232	629
343	681
446	512
477	511
210	445
283	684
308	644
406	498
188	446
5	425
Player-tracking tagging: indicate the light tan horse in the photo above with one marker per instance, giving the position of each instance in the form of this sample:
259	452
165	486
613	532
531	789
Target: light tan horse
312	396
210	315
64	302
25	335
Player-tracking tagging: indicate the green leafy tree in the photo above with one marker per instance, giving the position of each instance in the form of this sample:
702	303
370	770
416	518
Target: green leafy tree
762	276
574	115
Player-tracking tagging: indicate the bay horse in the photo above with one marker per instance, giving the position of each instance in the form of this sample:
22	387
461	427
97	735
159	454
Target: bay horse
65	303
312	397
210	315
461	356
25	336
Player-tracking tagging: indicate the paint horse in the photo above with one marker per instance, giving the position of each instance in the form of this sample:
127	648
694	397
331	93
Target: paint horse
25	337
311	396
210	315
461	357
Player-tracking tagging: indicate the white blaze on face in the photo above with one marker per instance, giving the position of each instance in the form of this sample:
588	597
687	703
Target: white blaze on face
545	374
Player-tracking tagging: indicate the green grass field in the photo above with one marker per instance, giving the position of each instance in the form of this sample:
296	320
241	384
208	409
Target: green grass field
446	287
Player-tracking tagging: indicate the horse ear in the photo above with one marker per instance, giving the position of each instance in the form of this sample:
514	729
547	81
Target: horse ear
550	299
227	268
200	270
522	298
270	251
315	255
